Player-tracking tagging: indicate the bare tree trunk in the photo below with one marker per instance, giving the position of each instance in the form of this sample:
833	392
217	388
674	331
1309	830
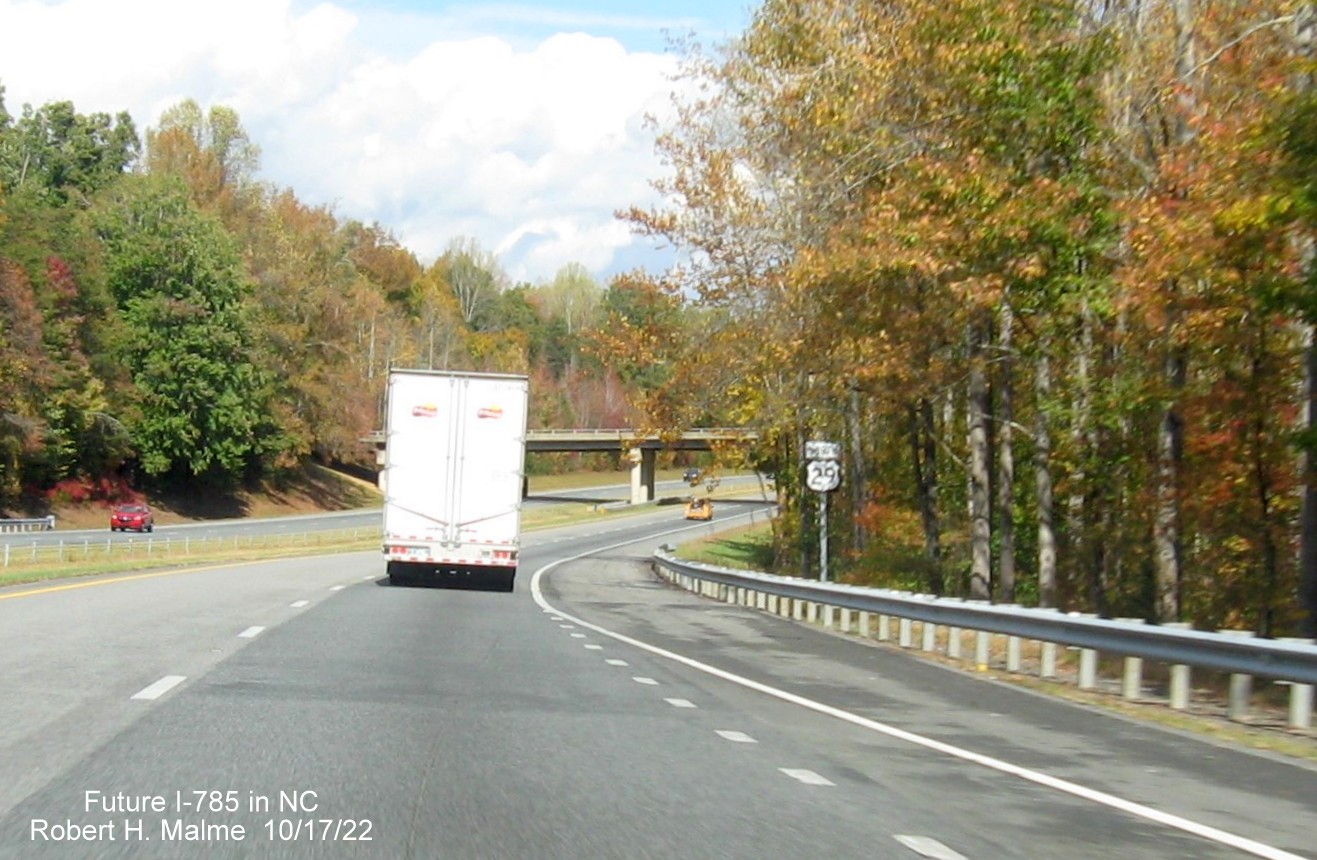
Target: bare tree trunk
1170	434
1262	485
370	360
1186	58
1308	488
1006	460
1078	538
980	583
1086	547
923	450
1166	523
798	463
1305	34
857	469
1042	443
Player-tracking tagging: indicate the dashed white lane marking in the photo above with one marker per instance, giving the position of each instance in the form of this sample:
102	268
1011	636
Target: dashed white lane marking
371	576
613	661
808	777
736	737
594	647
925	846
250	633
299	604
159	688
578	635
567	626
680	703
337	587
1074	789
650	681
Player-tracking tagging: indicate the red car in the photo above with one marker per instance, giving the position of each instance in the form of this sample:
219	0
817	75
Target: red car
136	516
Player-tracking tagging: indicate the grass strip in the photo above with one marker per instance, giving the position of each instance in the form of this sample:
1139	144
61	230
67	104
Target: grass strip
134	557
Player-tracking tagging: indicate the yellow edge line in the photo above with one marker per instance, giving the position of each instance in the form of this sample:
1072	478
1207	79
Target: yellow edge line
93	583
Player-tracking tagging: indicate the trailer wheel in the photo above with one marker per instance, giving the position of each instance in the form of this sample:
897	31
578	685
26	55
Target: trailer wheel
397	576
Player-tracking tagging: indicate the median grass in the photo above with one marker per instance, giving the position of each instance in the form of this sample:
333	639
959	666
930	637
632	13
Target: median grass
88	558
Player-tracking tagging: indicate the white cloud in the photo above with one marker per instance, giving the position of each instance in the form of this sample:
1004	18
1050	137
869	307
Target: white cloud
528	150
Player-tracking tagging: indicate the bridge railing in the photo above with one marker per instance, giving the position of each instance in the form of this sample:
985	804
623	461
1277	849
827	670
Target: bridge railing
632	433
621	434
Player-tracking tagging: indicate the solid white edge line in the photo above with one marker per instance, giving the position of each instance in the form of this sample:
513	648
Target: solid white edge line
159	688
251	632
1177	822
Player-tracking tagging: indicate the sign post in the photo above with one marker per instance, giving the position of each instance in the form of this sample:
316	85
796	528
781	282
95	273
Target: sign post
823	475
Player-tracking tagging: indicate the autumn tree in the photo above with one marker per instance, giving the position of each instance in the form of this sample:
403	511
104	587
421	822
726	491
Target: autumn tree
209	151
305	312
24	371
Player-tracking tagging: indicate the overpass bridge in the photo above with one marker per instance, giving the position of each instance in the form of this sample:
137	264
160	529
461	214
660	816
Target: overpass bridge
640	446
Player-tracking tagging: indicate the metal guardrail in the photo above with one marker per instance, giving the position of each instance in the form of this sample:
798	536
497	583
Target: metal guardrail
33	524
1293	661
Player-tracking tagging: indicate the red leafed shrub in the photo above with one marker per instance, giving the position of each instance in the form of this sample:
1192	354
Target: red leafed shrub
79	491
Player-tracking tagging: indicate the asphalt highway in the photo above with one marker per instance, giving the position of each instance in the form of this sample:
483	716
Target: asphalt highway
305	708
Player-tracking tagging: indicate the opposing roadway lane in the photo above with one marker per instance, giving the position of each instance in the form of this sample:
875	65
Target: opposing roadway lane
447	723
269	526
209	529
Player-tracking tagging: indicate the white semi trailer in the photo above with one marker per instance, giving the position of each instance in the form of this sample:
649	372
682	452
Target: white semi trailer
454	463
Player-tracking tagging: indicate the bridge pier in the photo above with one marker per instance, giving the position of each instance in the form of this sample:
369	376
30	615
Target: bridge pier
642	474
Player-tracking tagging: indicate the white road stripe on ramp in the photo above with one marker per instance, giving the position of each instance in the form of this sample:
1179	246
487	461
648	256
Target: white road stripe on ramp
1222	837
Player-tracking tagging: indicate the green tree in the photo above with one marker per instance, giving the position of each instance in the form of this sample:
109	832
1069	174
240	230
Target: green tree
58	154
175	274
475	278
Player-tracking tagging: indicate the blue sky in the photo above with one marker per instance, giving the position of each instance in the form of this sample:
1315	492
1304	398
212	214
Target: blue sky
520	125
640	26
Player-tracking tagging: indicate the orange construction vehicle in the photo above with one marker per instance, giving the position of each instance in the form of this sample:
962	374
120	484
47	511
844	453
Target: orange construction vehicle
699	509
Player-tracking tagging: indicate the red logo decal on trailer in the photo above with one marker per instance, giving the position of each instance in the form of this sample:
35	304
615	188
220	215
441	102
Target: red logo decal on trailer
425	410
490	412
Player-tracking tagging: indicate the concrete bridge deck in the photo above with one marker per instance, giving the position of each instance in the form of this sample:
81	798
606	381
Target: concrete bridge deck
640	446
